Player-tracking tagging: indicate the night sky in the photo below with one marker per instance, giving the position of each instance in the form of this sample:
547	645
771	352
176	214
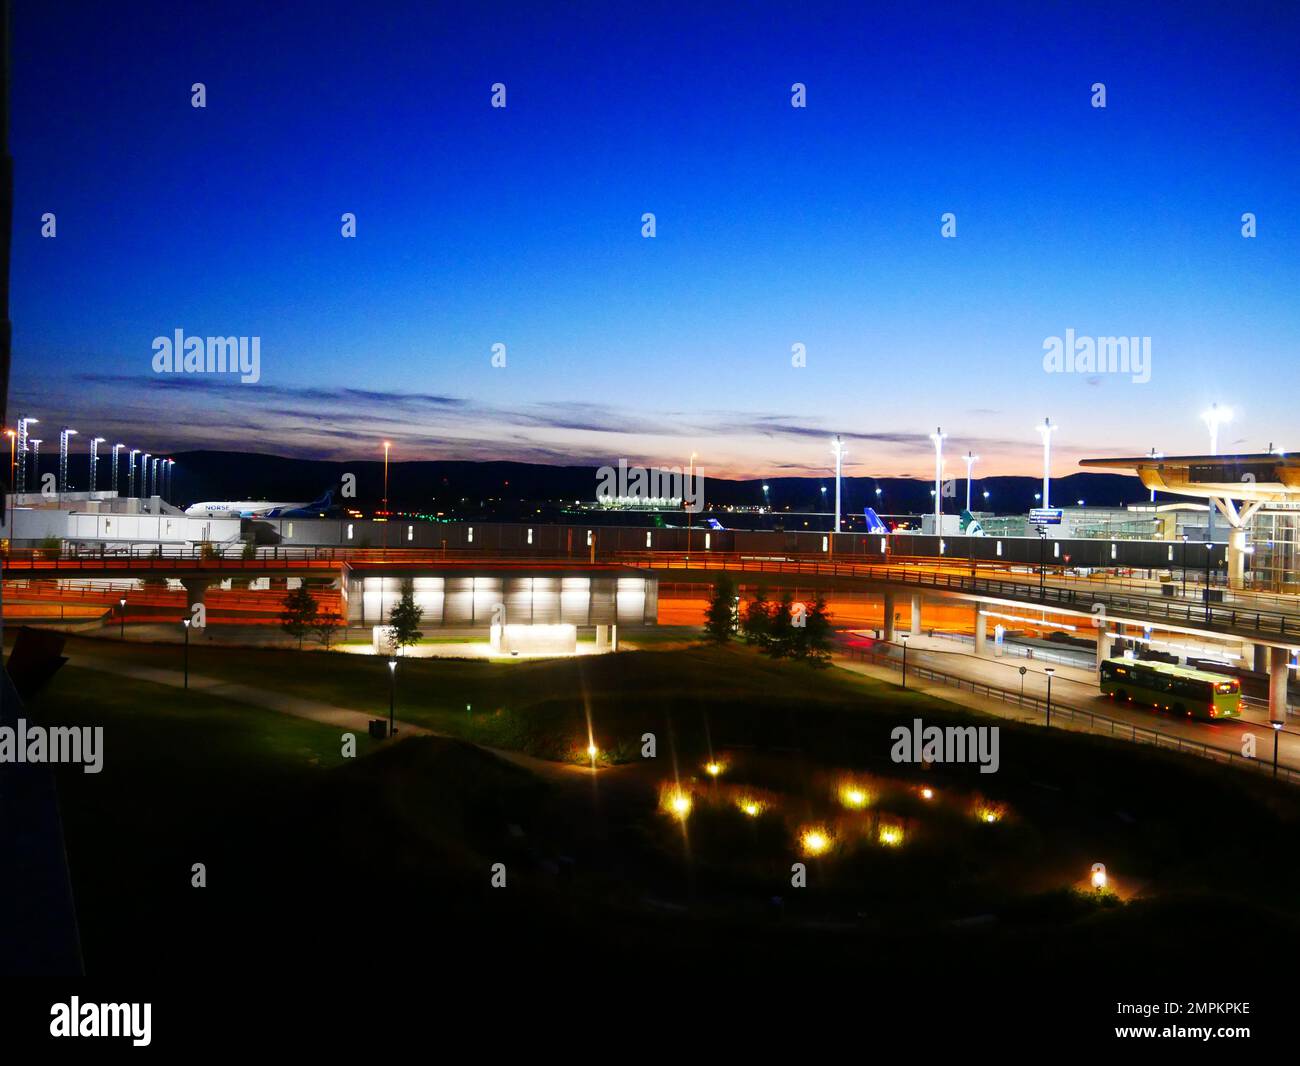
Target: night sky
776	226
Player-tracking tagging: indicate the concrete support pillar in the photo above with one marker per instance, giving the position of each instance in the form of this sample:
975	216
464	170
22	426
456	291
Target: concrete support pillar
1279	666
981	629
889	609
602	638
1237	558
196	591
916	614
1104	642
613	637
1261	659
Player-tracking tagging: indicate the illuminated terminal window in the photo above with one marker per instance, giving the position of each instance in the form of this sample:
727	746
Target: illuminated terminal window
647	538
530	536
349	531
410	532
471	534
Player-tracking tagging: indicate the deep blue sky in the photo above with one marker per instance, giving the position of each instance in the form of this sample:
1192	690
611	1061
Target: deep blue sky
775	226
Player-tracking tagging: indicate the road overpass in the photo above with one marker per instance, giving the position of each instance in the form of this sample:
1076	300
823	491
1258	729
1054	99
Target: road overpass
1119	604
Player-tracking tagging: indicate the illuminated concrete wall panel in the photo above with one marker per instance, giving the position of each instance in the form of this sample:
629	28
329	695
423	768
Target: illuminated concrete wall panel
546	600
458	606
488	592
575	600
603	604
631	600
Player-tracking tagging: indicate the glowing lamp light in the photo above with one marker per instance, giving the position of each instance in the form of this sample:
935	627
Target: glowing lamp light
1098	876
751	806
592	750
927	793
891	835
676	802
853	797
815	841
713	768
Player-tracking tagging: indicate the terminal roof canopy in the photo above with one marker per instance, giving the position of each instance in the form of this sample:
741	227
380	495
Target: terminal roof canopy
1266	477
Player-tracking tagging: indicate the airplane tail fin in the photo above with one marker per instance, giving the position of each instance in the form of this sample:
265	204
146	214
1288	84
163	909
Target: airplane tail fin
874	522
970	525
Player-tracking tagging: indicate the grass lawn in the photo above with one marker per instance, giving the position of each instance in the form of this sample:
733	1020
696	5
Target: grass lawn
306	851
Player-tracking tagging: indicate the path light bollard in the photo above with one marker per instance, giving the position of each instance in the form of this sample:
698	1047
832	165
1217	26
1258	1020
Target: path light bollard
902	637
1049	671
392	696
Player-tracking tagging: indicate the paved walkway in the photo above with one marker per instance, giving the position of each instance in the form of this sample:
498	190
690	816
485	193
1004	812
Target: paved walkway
342	718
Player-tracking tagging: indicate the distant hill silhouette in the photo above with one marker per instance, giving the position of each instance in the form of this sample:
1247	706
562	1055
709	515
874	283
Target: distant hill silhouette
437	485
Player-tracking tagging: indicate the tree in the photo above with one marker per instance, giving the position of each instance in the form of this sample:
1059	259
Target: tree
720	615
404	620
780	641
815	647
757	623
325	625
299	613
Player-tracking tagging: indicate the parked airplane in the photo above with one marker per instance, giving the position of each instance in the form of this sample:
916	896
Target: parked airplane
263	508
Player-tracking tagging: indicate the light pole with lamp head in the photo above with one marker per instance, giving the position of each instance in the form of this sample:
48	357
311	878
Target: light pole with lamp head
187	653
121	616
971	459
902	639
938	437
1046	429
1049	671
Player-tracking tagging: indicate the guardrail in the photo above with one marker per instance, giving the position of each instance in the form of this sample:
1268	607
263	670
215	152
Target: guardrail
1087	721
1039	594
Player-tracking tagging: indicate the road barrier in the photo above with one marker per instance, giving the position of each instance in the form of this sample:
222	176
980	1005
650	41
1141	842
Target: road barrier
1083	720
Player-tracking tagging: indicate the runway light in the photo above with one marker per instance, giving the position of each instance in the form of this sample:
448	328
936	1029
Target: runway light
853	797
1098	876
891	835
927	793
989	814
815	841
713	768
751	806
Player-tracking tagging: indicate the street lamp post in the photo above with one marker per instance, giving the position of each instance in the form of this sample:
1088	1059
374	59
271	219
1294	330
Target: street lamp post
387	445
1155	455
64	433
688	493
1046	429
121	616
837	446
113	473
902	639
971	459
1184	567
1277	732
23	423
938	437
1049	671
95	442
130	472
1215	417
187	653
392	697
1042	563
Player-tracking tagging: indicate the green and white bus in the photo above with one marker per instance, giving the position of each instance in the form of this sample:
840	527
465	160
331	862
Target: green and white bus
1195	693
